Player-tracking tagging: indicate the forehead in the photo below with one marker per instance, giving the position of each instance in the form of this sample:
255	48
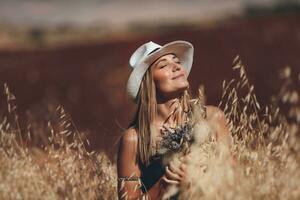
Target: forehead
170	55
165	57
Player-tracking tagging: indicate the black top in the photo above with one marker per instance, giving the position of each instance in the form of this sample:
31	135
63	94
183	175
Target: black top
152	173
155	170
170	142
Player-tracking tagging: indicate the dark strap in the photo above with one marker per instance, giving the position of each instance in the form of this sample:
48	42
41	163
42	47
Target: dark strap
153	51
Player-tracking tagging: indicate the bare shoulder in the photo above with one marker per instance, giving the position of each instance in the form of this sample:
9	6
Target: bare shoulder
217	119
129	142
214	113
129	138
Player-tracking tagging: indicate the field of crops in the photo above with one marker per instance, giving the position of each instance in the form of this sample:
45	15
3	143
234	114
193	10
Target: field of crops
265	142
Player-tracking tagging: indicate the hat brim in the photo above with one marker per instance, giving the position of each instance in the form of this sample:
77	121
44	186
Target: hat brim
182	49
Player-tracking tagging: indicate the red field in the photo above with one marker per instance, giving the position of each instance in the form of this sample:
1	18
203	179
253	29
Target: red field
89	80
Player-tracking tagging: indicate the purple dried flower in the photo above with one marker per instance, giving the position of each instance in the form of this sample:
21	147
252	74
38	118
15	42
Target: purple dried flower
174	138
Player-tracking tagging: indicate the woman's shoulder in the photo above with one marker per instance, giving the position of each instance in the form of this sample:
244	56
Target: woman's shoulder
129	136
215	114
217	119
128	146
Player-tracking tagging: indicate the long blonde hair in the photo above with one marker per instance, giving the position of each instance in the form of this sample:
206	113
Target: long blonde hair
146	112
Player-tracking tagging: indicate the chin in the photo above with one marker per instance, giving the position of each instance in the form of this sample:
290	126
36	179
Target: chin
176	91
184	86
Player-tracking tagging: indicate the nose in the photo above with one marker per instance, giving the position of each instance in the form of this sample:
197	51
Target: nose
176	67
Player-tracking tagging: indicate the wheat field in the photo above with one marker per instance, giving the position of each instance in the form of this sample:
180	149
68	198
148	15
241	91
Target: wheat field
265	143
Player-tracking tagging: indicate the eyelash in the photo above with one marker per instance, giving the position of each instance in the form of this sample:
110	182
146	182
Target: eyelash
166	65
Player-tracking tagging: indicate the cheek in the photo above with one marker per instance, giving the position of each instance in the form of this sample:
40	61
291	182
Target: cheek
161	77
162	80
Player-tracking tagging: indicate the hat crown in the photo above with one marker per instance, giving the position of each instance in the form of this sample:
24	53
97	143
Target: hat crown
142	52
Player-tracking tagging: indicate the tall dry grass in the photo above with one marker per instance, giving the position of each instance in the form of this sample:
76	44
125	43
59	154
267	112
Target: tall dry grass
265	143
62	169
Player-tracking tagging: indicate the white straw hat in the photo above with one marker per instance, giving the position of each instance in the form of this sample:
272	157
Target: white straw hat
149	52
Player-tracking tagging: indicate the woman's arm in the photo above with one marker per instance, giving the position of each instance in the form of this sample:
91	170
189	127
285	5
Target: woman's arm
127	166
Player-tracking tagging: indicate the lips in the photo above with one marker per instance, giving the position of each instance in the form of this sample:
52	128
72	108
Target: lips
178	76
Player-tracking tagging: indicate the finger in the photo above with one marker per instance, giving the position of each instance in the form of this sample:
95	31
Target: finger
186	159
183	167
189	157
170	181
176	170
171	175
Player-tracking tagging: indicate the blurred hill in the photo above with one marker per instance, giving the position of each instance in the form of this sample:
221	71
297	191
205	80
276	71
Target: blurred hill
31	23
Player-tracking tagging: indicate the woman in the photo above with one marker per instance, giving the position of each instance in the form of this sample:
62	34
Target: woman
158	85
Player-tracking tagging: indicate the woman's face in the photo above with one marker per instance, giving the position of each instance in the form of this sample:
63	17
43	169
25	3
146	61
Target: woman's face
169	76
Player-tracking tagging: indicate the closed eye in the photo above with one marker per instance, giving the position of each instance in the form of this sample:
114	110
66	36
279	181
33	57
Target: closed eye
176	59
162	66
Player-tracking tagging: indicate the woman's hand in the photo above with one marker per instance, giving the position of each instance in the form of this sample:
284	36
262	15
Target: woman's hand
176	173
